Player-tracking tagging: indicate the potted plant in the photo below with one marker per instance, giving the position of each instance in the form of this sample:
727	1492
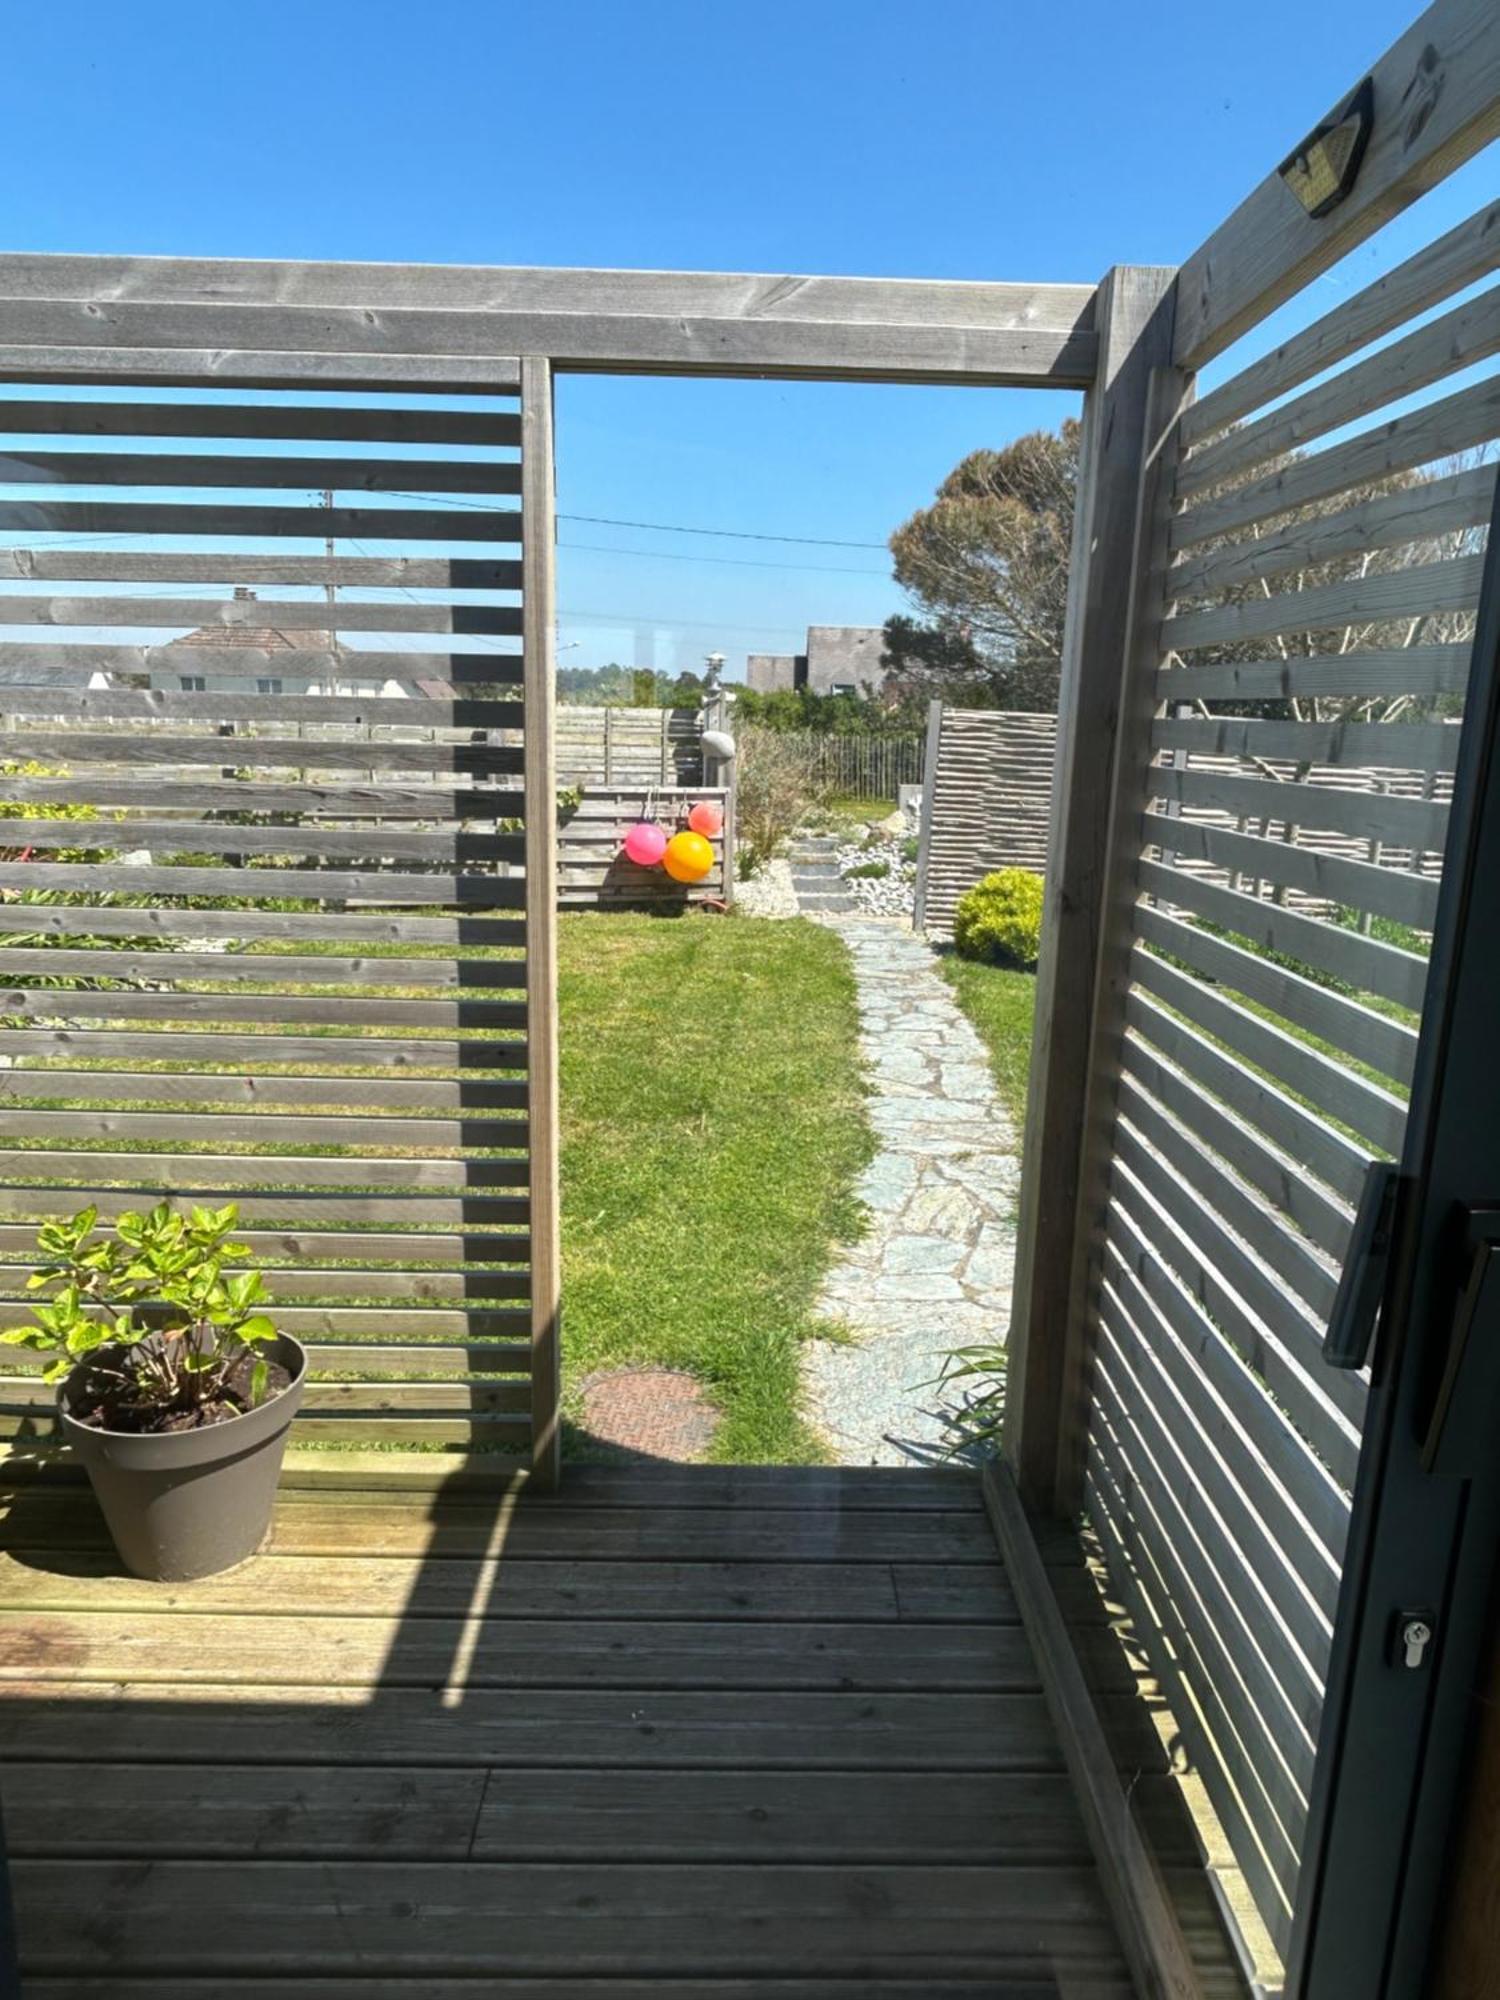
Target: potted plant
175	1389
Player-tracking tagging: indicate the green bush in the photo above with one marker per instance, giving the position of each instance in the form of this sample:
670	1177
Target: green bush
1000	918
867	871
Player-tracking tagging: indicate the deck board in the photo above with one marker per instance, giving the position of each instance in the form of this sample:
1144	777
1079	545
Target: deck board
786	1742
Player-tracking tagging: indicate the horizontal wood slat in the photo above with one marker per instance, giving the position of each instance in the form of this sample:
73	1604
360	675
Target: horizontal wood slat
25	467
379	815
1415	512
1438	78
1329	879
1463	255
473	931
1417	593
280	615
45	417
270	566
1368	965
1458	339
1326	512
1360	1032
1417	824
1393	670
1396	746
44	696
157	748
1437	431
986	805
212	518
1297	1490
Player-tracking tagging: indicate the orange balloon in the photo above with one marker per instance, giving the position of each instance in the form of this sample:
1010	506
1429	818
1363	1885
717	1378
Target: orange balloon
688	857
706	817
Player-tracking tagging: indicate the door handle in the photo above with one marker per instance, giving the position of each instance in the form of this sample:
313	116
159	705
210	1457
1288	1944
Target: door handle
1351	1324
1461	1432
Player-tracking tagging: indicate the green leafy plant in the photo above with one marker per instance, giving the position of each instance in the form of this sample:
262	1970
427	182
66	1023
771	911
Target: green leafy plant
1000	918
867	871
171	1334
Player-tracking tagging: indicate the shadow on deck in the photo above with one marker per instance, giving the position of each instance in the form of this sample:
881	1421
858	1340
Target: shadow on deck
677	1731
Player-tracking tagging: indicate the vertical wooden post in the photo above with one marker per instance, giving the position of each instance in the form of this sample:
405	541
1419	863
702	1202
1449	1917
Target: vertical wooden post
539	681
929	796
1044	1419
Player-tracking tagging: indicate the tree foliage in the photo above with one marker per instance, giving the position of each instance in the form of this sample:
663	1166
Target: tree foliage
827	714
614	686
987	567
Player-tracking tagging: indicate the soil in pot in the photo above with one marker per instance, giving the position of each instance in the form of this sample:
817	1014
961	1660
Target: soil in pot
108	1393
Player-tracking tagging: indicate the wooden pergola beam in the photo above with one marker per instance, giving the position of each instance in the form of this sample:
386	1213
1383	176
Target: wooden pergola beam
159	319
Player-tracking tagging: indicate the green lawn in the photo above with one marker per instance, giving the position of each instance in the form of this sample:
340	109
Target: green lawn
1000	1003
713	1124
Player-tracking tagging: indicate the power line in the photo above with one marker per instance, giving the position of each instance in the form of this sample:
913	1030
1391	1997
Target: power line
734	534
652	527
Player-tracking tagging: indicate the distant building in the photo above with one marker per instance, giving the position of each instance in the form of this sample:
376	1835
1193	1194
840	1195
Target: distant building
840	659
289	669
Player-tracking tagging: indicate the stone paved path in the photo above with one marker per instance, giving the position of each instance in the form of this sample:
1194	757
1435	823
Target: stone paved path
934	1271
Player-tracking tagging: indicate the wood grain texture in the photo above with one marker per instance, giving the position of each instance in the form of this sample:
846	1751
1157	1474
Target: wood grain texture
427	327
539	506
534	1791
1135	334
986	805
1467	252
1424	436
1436	104
1459	339
449	1917
1154	1945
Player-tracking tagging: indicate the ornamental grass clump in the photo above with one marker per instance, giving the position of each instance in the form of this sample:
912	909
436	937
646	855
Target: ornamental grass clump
999	920
152	1330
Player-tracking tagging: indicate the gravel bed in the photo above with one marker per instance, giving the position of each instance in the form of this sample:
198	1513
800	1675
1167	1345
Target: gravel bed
768	893
890	895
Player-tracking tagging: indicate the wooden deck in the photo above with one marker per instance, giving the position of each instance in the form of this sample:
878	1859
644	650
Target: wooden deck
678	1731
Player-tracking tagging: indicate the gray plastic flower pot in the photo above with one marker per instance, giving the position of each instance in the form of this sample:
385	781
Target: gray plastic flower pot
182	1504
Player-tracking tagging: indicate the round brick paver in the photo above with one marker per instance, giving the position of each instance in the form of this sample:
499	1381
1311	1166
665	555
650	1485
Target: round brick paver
658	1412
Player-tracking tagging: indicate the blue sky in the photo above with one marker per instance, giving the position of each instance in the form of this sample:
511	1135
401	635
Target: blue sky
955	139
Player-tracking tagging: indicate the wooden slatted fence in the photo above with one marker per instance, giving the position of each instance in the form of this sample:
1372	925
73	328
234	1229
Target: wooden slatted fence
862	766
1280	857
296	954
593	873
628	746
987	793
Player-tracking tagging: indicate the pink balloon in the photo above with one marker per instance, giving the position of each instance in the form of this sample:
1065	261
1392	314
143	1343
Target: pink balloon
645	844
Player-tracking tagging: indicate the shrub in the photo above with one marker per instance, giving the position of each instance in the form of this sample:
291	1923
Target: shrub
1000	918
170	1335
867	871
776	787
